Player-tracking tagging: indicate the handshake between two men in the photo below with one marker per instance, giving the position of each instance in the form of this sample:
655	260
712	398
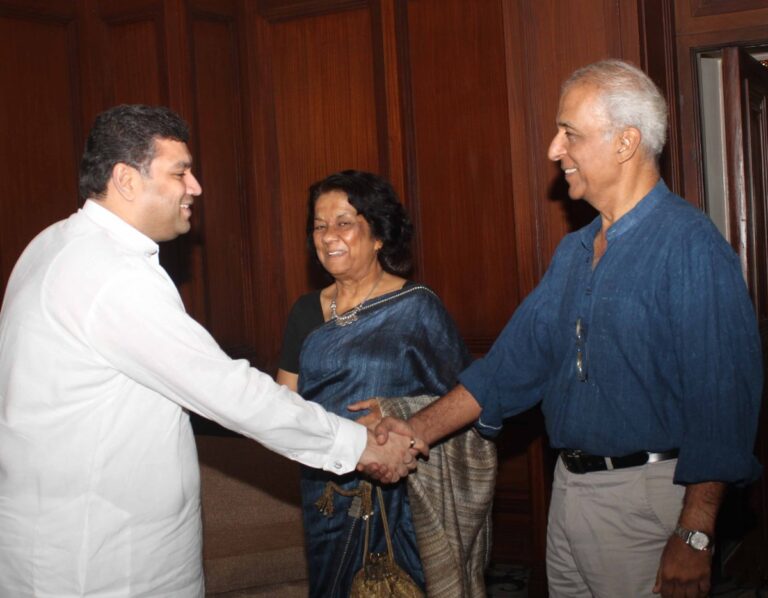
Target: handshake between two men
394	444
389	456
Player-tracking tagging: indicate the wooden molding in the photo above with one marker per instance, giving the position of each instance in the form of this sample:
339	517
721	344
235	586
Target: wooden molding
283	10
39	10
700	8
657	32
40	107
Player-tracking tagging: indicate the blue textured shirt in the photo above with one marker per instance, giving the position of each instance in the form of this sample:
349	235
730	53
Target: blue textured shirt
669	342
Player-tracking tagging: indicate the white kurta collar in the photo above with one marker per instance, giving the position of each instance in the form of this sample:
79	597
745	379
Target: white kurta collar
120	229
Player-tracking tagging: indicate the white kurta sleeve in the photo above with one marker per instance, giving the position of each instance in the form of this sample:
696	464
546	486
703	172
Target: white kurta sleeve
137	325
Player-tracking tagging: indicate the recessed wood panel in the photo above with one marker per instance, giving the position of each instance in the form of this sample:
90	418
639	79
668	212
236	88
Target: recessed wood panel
275	10
719	16
40	141
132	58
221	213
325	117
657	24
462	161
718	7
558	38
135	60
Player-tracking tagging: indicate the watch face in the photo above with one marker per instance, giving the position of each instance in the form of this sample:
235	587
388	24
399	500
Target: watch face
699	540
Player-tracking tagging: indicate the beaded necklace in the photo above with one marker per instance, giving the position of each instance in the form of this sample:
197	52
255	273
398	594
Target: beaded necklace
347	318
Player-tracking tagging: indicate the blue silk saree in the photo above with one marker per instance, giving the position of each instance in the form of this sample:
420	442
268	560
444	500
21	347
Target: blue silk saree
402	344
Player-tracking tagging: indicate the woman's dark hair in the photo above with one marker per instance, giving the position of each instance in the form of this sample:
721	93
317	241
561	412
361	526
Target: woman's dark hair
375	200
126	134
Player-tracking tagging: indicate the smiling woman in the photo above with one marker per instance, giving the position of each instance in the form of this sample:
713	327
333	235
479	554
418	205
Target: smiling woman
372	333
343	240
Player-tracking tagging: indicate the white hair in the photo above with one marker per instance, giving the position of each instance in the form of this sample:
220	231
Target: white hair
630	99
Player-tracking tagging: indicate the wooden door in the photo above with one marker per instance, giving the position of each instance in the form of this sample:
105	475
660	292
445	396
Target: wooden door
745	108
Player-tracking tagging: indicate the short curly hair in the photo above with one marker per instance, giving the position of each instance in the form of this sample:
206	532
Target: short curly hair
375	200
126	134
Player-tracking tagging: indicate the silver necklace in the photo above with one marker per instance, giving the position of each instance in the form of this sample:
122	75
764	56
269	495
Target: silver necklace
347	318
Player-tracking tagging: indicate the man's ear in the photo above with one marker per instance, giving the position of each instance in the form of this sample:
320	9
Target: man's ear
125	180
627	143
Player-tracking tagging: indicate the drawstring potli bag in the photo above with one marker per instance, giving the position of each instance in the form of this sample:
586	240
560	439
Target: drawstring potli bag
380	576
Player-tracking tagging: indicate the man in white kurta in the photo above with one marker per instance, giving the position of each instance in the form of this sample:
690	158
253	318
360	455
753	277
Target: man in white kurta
99	363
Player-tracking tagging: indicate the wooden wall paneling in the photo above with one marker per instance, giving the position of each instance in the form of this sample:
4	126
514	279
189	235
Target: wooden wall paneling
472	170
536	36
659	60
560	38
137	54
40	129
391	77
326	119
276	10
270	305
133	45
521	96
525	469
463	199
730	8
717	15
690	126
541	51
629	35
221	213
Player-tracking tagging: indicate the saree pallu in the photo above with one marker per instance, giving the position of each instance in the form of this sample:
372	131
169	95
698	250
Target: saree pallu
402	344
451	496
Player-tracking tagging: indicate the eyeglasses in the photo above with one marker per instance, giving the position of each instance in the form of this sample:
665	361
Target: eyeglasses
581	364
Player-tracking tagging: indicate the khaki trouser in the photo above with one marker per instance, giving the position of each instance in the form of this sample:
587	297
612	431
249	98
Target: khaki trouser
607	530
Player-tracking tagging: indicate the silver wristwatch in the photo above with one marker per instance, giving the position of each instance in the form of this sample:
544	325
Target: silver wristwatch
694	538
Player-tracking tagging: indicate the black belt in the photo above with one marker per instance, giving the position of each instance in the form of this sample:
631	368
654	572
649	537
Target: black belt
576	461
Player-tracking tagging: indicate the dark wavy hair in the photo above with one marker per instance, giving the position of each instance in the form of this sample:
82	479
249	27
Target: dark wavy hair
375	200
126	134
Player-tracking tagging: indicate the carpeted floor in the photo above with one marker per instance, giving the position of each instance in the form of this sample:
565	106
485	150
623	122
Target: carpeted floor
502	581
511	581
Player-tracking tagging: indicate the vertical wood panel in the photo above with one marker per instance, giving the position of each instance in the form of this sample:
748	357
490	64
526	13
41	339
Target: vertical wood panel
325	115
657	24
560	37
222	212
275	10
262	184
463	172
717	15
133	53
391	76
39	124
130	44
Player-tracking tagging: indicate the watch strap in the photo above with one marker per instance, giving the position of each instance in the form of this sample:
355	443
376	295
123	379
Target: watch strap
696	539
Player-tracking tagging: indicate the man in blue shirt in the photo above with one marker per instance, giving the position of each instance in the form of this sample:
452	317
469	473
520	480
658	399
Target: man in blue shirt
641	344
